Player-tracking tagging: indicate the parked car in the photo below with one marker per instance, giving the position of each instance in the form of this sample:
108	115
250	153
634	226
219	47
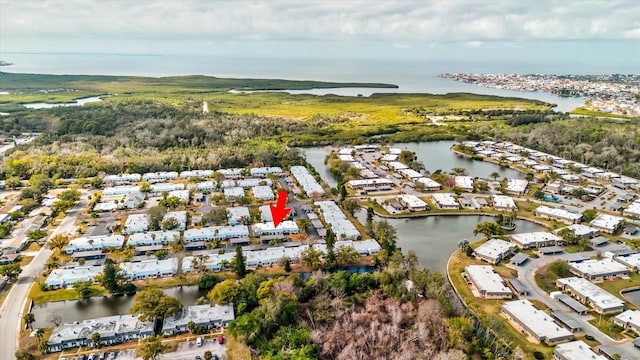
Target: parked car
220	339
199	341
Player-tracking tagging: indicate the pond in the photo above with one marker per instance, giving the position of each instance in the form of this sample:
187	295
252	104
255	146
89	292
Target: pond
632	296
77	102
435	155
78	310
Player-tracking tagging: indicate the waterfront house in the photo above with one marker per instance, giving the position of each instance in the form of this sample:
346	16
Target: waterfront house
534	323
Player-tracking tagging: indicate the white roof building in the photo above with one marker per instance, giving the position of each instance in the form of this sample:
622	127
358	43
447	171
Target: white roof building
235	192
161	175
263	193
248	183
205	186
94	243
265	213
410	174
122	178
234	173
372	184
629	319
487	283
501	202
445	201
180	216
152	268
153	238
203	316
464	182
558	214
598	270
236	213
396	165
333	215
517	186
633	210
535	239
136	223
284	228
607	223
581	230
575	350
157	189
119	190
216	233
631	261
180	194
59	278
188	174
494	250
389	157
429	183
590	294
413	203
536	323
308	182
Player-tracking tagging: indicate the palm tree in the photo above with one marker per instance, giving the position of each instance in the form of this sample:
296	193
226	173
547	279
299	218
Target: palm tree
39	333
95	339
43	346
494	175
29	319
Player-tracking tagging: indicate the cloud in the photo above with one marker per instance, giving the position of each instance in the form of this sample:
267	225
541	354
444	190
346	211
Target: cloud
31	23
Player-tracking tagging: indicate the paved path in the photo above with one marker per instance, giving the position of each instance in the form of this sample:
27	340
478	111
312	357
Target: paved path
526	275
11	311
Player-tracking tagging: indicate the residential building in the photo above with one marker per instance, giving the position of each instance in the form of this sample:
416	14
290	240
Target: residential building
236	215
206	186
333	215
535	239
188	174
286	227
265	213
180	216
631	261
158	189
263	192
501	202
121	179
183	195
249	183
486	282
563	215
112	329
494	250
410	174
234	173
607	223
582	231
371	185
535	323
160	176
429	184
206	317
153	238
599	270
94	243
120	190
445	201
464	182
60	278
575	350
233	193
136	223
132	200
152	268
413	203
517	186
307	181
583	290
629	319
633	210
216	233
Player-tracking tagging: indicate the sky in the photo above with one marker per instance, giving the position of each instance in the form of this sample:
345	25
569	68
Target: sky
438	29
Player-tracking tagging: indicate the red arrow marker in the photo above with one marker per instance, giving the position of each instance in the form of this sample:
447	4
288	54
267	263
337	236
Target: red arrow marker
279	212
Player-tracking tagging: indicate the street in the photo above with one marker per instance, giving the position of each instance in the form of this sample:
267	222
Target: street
11	311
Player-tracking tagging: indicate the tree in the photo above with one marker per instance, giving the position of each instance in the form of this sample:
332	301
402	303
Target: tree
39	333
191	326
330	258
37	234
43	346
12	271
459	171
343	192
368	226
55	319
239	266
207	281
61	206
152	347
346	255
95	339
351	206
145	187
13	182
83	288
487	228
59	242
208	355
495	175
225	292
29	319
589	214
153	304
217	216
538	194
311	257
286	264
156	214
568	235
170	202
386	235
24	354
170	224
72	195
112	278
161	254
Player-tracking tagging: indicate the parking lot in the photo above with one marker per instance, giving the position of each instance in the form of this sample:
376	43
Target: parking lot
189	350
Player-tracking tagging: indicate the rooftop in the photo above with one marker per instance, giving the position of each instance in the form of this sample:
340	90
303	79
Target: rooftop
536	321
577	350
596	295
494	248
599	267
486	280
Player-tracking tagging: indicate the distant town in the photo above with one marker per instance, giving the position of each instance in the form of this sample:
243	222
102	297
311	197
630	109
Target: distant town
614	93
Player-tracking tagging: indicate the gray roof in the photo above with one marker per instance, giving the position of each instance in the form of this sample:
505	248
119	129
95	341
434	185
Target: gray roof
572	303
551	249
600	240
518	286
519	258
199	314
566	320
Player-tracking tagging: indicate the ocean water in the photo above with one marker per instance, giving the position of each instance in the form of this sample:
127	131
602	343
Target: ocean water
411	76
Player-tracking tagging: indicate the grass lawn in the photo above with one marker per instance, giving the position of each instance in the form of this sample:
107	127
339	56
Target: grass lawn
484	308
615	286
605	324
546	278
237	349
39	296
25	260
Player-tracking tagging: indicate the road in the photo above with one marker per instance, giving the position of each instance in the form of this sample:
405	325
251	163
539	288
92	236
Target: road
11	311
526	275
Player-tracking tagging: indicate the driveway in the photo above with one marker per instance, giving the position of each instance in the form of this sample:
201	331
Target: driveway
189	350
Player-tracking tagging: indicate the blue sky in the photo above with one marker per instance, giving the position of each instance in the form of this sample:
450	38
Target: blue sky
454	29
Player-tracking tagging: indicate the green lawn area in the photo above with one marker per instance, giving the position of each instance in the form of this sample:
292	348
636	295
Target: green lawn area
546	278
484	307
39	296
615	286
605	324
